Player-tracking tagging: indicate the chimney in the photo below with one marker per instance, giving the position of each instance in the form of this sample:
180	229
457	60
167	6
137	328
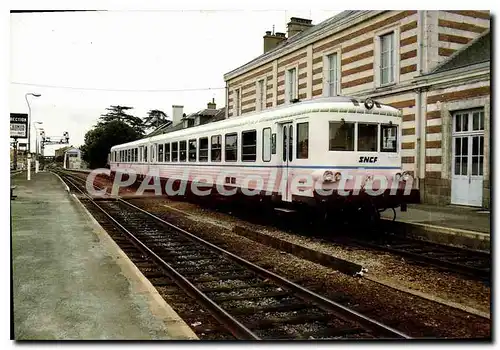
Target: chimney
211	105
176	114
298	25
273	40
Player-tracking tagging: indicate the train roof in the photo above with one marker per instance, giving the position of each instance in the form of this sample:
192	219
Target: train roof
342	104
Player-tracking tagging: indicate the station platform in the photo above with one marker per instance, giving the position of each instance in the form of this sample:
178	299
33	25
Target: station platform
70	280
456	225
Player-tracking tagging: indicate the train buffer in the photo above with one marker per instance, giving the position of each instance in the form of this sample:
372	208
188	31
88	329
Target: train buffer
12	196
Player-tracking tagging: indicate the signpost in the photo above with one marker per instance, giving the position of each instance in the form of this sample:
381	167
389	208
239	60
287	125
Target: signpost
18	125
18	129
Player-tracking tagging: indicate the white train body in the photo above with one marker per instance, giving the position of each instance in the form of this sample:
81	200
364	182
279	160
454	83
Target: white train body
337	142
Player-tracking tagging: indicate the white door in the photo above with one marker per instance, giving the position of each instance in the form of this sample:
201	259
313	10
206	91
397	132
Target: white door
468	158
287	159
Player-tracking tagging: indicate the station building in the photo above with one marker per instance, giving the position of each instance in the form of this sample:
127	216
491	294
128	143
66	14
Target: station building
412	60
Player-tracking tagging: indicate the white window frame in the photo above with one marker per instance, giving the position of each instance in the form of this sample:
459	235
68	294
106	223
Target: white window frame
290	95
326	72
237	101
261	94
378	55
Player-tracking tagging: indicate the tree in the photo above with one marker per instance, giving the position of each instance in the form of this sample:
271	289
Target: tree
155	118
120	113
102	137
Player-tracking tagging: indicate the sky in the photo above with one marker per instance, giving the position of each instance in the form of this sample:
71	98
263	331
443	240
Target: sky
82	62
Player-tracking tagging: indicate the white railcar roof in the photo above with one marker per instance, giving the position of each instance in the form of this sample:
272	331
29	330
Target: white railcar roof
338	104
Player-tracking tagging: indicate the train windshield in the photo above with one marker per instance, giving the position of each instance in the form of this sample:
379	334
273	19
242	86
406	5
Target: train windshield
343	135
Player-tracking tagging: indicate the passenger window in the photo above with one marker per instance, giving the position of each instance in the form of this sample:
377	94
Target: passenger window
146	153
175	151
367	137
249	146
266	144
203	146
341	136
216	153
167	152
160	153
192	150
231	148
182	151
389	138
302	140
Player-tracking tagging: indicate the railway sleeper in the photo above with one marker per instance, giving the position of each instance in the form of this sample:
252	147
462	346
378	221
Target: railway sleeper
268	294
276	323
197	271
230	289
281	307
229	277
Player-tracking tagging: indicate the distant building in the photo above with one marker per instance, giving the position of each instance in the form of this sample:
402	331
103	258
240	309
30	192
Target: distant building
182	121
60	151
72	158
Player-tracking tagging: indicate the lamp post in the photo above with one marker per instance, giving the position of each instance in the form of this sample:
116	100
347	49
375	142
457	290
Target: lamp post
29	130
37	162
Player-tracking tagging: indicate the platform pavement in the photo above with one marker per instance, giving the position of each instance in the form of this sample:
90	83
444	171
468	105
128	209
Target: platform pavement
456	225
69	282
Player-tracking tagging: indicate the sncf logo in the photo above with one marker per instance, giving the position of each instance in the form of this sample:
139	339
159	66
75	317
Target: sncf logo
368	159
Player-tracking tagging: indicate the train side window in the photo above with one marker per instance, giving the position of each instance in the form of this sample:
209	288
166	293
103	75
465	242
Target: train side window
389	138
367	137
175	151
167	152
182	151
302	140
203	149
249	146
231	147
266	144
160	152
216	153
192	150
128	156
341	136
146	153
136	154
141	153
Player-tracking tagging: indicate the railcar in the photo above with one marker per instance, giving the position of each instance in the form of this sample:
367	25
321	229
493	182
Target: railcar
331	154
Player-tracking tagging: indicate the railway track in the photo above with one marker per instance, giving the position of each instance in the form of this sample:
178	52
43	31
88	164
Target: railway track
471	263
247	301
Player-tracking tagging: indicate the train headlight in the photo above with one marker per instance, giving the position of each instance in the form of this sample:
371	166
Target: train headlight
338	176
406	176
397	176
328	176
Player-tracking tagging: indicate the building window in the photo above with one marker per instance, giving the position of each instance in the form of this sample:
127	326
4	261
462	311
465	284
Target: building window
175	151
261	95
341	136
192	150
182	151
237	102
231	147
332	75
266	144
216	147
249	146
203	146
167	152
291	84
387	59
302	140
160	153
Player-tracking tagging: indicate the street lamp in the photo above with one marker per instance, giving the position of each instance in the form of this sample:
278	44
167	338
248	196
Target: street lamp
29	118
29	131
36	139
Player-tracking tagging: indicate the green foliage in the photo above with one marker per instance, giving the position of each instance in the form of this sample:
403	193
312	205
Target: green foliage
120	113
103	136
155	119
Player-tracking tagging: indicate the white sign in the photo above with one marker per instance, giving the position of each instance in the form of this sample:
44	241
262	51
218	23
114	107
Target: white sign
17	130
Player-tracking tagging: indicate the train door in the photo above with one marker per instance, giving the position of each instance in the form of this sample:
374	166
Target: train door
287	159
